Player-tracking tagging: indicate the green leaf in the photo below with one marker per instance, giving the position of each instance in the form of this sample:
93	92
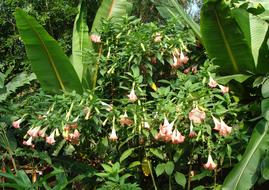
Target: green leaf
237	77
51	66
169	167
80	45
265	167
180	179
265	108
134	164
157	152
172	9
245	173
223	39
126	154
160	169
110	9
255	30
18	81
265	89
107	168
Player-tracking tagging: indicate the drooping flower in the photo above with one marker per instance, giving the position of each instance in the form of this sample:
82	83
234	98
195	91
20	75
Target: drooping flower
177	138
225	129
212	83
183	59
165	131
42	132
224	89
87	112
175	64
50	139
29	142
192	132
113	136
95	38
124	120
194	69
217	124
158	37
132	96
210	165
108	107
196	115
33	132
146	125
16	124
222	127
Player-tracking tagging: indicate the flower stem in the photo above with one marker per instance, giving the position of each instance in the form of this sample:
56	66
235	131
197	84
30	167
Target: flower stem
189	177
152	177
170	185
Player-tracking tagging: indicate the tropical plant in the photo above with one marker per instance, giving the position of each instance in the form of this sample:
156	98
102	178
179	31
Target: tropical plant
56	73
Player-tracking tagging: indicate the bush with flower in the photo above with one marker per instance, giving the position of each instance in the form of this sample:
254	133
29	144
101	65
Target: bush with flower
156	113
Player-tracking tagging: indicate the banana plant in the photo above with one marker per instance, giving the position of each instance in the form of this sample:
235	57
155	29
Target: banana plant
52	67
234	38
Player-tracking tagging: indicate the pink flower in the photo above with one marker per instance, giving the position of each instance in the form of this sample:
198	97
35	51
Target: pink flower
194	69
192	133
225	129
76	134
113	136
124	120
217	123
50	139
158	37
222	127
177	138
165	131
210	165
224	89
175	64
183	59
196	115
16	124
95	38
29	142
42	132
212	83
33	132
132	96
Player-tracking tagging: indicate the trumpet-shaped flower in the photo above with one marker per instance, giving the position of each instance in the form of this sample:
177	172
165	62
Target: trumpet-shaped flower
212	83
146	125
210	165
95	38
217	124
50	139
222	127
225	129
29	142
165	131
196	115
192	132
113	136
33	132
158	37
124	120
42	132
132	96
16	124
183	59
177	138
224	89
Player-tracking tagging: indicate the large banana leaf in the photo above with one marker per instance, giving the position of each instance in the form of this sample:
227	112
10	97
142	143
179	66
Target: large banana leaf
51	66
110	9
171	8
244	175
255	30
223	39
80	45
113	9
